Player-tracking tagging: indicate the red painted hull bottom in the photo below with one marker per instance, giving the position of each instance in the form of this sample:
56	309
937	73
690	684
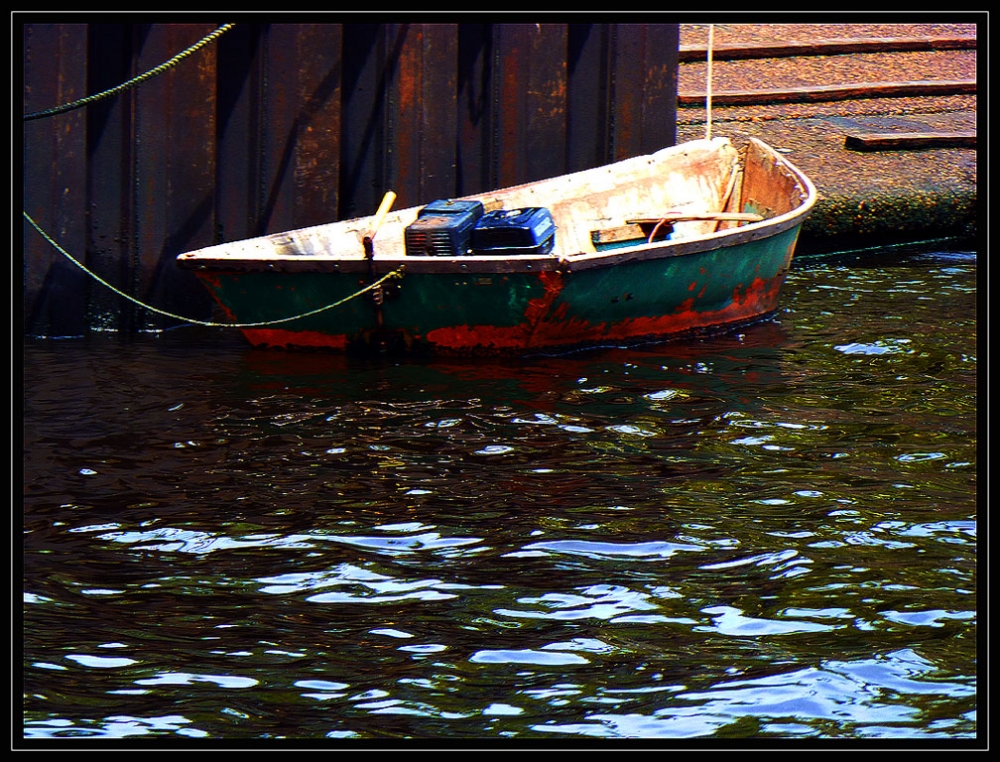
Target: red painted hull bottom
551	330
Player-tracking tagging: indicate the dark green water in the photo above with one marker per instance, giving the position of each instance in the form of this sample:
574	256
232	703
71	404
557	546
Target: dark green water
769	535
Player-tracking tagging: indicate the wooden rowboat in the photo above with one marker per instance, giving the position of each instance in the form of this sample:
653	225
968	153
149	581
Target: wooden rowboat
693	238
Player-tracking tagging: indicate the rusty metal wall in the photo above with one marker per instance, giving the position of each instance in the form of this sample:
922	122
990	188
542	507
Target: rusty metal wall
279	126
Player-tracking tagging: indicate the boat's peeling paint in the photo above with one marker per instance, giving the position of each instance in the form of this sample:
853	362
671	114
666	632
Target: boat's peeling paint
213	281
547	325
548	321
269	336
468	337
756	300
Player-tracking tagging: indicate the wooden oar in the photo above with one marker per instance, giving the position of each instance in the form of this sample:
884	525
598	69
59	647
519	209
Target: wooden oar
368	241
377	220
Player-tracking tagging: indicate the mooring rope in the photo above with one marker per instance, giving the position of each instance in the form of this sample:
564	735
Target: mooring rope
135	80
132	83
708	84
394	274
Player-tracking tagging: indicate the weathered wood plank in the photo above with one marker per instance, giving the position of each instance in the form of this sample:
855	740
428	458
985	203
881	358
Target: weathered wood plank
54	179
826	47
588	97
363	122
688	216
316	181
912	89
110	246
174	167
643	89
907	141
474	166
423	94
530	101
238	195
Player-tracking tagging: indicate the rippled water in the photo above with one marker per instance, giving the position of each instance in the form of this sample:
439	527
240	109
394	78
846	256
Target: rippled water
764	535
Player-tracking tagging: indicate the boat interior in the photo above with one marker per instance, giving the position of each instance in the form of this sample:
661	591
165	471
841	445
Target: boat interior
677	194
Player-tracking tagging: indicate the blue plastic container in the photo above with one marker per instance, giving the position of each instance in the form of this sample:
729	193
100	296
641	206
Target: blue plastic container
514	231
442	229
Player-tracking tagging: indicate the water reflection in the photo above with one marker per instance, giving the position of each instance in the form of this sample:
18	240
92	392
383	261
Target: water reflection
845	697
767	534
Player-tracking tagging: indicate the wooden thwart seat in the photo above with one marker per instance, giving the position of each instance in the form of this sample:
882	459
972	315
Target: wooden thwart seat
657	228
691	216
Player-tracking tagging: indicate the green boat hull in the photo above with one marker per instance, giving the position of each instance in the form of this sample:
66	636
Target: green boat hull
511	312
693	238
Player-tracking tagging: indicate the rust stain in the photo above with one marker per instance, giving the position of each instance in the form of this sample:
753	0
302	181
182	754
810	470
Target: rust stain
760	298
214	283
410	75
464	337
538	308
686	306
547	324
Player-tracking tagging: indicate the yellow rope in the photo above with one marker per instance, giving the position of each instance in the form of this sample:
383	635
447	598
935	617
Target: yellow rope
135	80
394	274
